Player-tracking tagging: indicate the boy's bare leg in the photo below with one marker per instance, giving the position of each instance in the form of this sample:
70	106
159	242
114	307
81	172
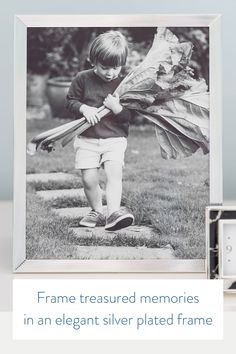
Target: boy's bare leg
113	171
92	190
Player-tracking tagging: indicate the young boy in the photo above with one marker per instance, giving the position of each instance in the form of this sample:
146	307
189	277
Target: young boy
104	143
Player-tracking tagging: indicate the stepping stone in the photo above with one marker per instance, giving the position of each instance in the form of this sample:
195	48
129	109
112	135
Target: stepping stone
99	232
73	213
110	252
59	193
46	177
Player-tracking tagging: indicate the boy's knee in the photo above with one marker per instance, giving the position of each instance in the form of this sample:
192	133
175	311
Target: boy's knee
114	171
89	180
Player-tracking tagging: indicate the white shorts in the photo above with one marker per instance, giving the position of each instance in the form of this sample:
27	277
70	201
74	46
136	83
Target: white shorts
92	153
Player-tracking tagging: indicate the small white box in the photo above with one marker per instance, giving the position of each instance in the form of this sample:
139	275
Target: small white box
227	248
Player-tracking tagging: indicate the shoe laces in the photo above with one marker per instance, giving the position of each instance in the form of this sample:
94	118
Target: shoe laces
93	213
119	212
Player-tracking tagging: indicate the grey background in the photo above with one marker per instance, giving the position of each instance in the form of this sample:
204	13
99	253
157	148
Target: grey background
11	7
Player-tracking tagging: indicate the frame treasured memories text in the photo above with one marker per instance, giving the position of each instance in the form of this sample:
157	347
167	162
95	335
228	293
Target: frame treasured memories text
170	85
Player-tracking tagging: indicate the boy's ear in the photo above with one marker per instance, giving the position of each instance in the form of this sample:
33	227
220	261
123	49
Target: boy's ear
89	61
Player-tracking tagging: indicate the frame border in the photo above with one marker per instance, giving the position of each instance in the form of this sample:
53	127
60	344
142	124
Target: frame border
217	245
20	263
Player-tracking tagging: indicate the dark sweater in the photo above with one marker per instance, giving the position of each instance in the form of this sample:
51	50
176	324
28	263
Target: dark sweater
88	88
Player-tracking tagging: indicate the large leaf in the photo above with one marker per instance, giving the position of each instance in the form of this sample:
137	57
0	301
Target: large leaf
181	126
164	56
181	112
174	146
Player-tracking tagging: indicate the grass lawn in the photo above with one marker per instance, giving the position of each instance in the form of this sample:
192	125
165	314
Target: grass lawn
168	195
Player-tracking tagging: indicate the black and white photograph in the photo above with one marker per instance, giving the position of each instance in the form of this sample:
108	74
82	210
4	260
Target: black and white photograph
117	143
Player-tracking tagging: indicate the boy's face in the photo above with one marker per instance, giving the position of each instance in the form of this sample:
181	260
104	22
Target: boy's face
107	73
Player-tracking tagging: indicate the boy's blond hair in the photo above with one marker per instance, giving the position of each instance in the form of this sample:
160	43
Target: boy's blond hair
109	49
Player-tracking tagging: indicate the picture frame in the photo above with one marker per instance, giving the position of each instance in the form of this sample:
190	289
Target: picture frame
179	266
221	223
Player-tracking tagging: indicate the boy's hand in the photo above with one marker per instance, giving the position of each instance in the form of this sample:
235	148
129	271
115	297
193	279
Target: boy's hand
90	113
113	103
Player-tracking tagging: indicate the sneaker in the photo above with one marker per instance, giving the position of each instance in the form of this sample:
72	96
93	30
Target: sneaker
94	218
118	220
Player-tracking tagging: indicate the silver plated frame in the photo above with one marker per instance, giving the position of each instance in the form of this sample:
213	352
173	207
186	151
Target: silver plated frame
214	217
23	265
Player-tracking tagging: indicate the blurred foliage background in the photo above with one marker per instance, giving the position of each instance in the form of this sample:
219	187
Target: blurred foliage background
56	54
63	51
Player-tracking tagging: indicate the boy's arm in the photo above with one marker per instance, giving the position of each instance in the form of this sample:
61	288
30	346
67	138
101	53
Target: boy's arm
78	108
113	103
74	96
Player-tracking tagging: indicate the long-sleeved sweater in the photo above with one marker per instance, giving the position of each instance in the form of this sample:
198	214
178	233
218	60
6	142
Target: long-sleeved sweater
88	88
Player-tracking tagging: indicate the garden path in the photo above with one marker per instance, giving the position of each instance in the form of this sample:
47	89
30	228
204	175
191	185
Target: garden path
109	245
